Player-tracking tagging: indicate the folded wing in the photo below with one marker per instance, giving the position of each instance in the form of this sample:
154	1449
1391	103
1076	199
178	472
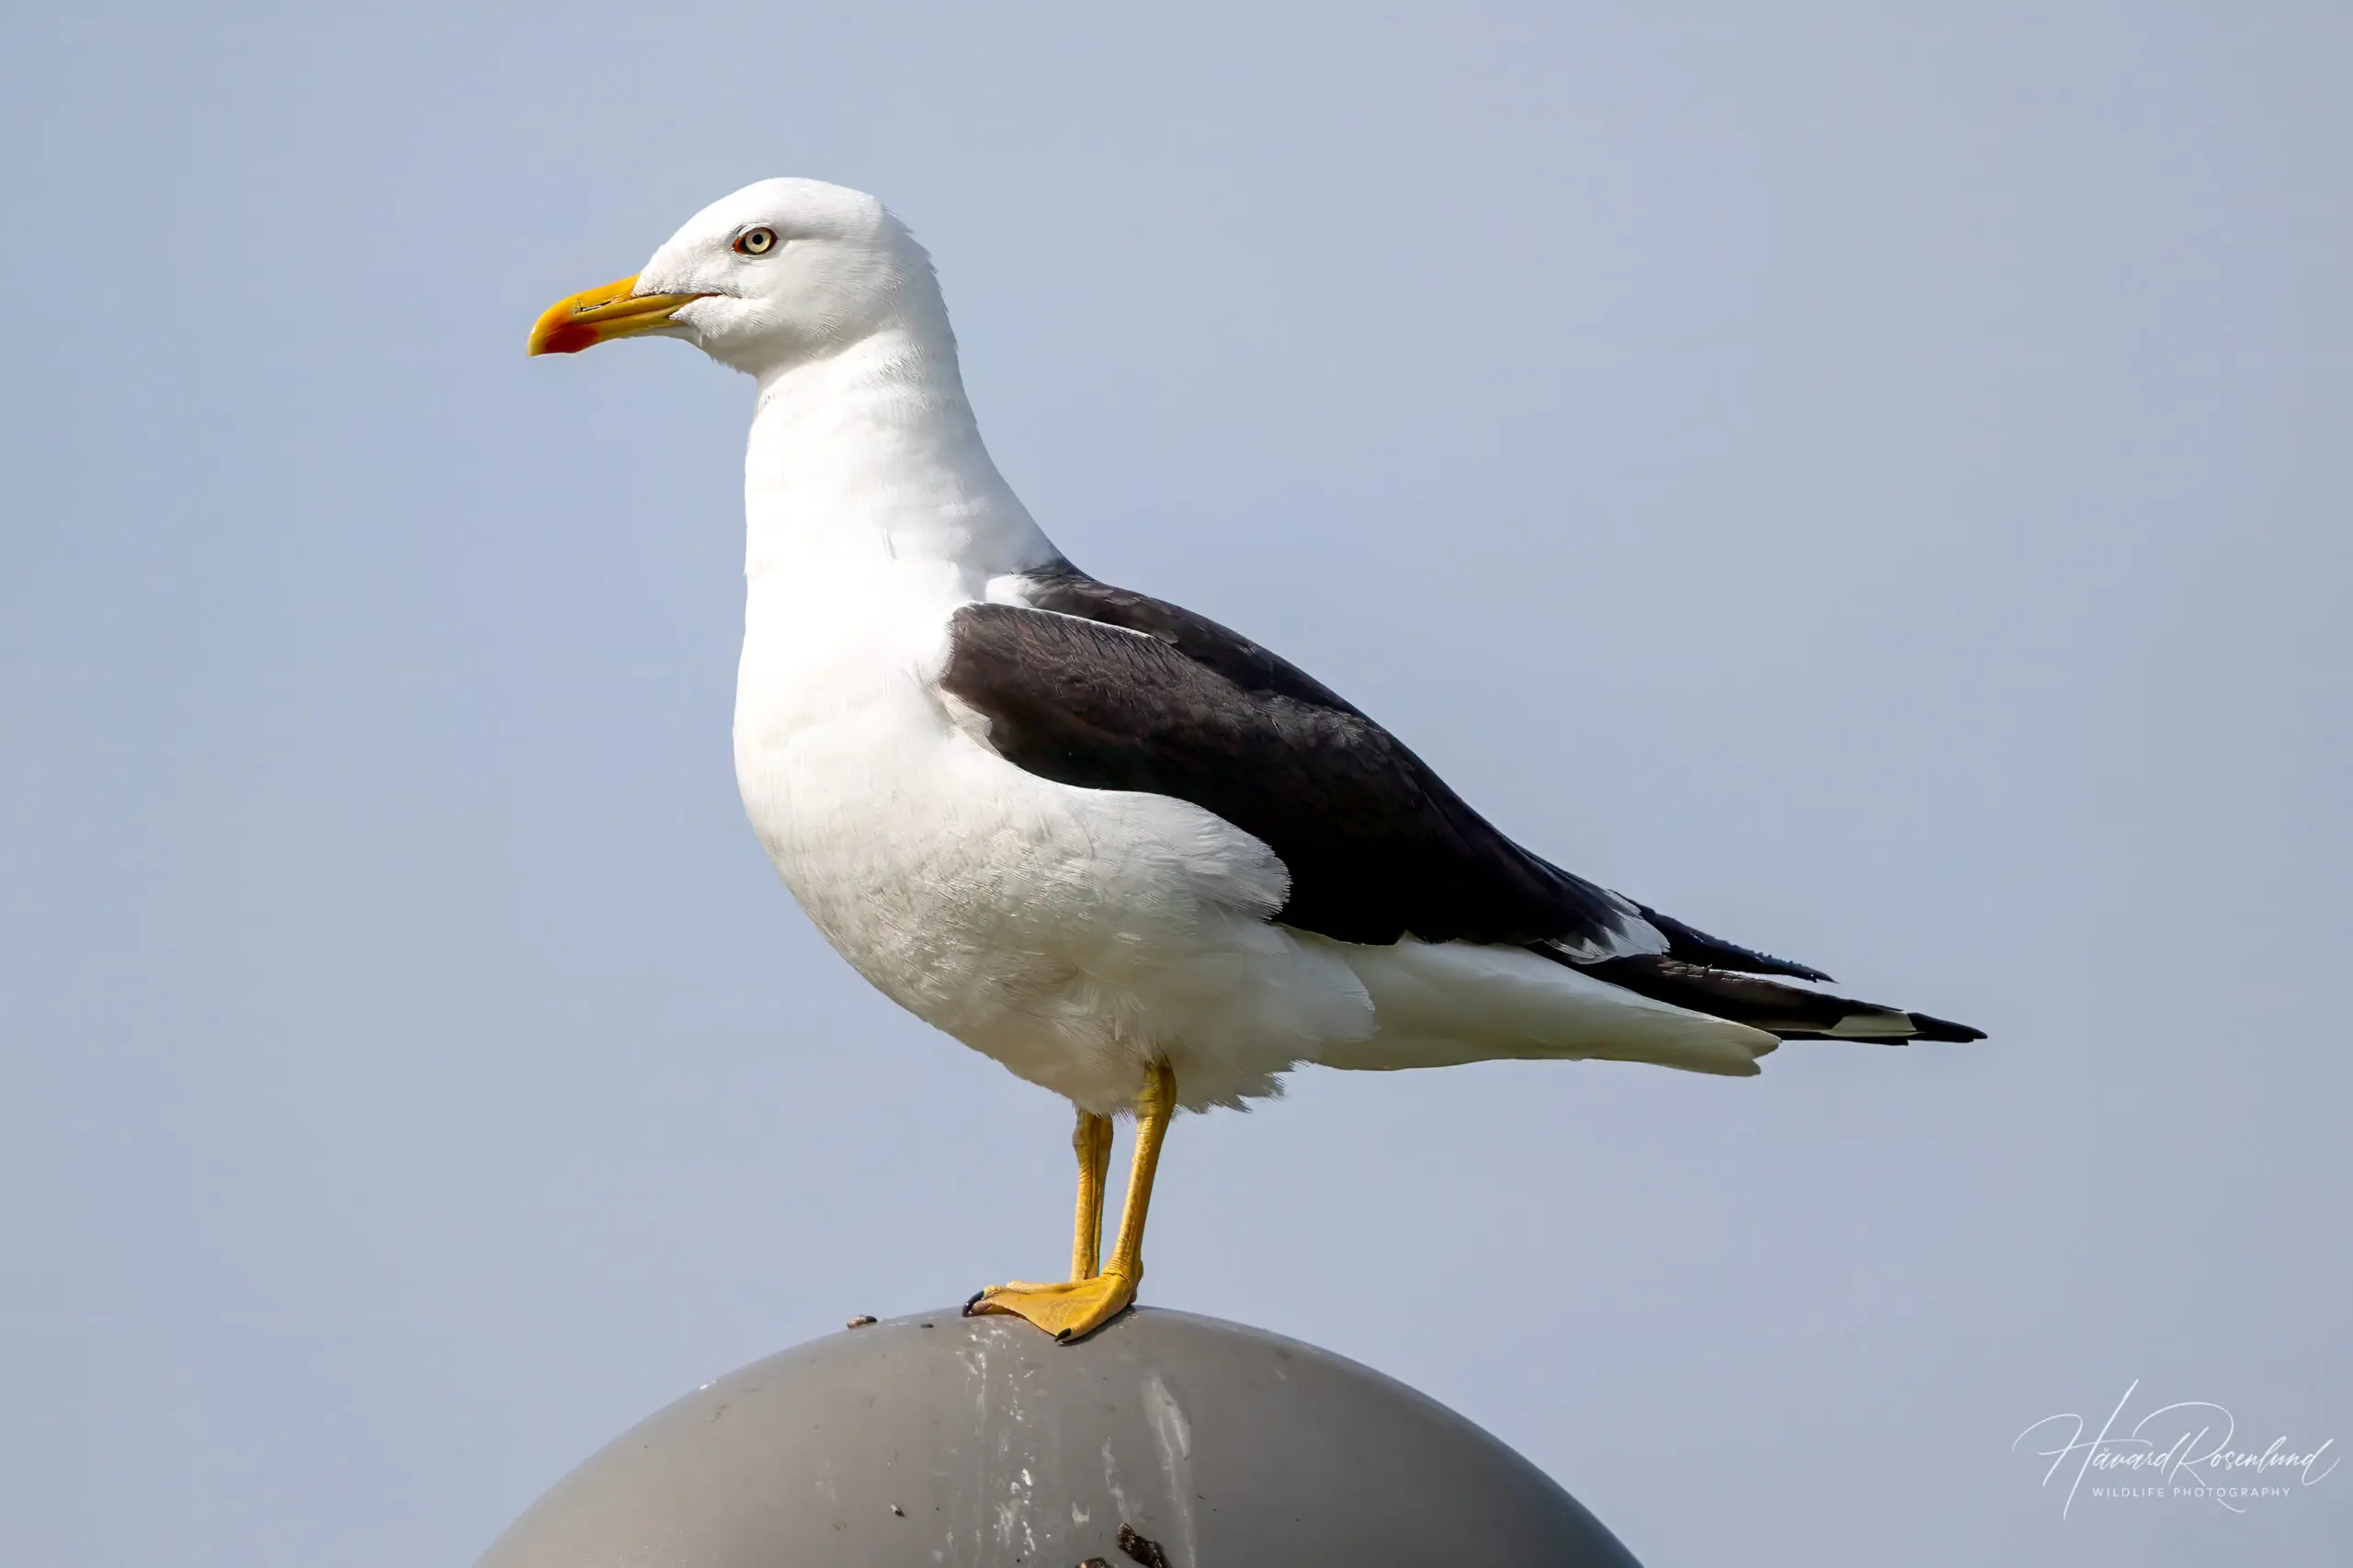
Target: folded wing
1102	688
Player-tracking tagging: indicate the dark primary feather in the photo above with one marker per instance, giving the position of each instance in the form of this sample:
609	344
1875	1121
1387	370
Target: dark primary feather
1697	947
1783	1010
1103	688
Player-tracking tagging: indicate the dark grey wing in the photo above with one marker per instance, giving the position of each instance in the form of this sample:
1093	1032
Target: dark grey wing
1377	846
1107	689
1063	588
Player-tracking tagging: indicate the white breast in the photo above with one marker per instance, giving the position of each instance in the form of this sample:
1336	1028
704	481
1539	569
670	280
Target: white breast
1071	934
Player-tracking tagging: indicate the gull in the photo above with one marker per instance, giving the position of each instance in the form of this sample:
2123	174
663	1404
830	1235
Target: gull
1134	856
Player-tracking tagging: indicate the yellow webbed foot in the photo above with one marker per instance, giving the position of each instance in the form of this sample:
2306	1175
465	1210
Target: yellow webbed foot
1070	1310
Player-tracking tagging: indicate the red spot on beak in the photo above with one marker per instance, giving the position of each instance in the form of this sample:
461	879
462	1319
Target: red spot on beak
568	339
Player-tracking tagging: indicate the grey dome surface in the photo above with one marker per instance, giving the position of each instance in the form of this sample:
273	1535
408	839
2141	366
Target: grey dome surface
1165	1438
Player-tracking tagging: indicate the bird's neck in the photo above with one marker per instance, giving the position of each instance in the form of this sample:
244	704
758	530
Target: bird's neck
872	454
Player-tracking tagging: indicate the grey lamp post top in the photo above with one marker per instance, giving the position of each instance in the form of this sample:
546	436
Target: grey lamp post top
1167	1438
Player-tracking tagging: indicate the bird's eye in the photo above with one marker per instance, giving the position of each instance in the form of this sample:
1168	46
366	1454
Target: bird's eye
755	242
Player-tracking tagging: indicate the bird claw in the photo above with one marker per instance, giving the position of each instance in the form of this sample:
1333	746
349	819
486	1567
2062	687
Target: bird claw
1070	1310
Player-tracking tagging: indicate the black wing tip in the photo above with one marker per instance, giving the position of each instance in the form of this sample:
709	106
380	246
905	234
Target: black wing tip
1768	1004
1692	945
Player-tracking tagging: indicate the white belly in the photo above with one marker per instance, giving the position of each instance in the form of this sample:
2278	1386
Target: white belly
1073	935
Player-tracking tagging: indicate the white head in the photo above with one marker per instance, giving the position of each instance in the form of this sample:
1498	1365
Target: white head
781	272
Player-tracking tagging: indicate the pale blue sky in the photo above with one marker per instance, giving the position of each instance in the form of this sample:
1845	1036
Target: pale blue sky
1874	485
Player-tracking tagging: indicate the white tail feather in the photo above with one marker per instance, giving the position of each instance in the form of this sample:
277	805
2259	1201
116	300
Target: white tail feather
1439	1005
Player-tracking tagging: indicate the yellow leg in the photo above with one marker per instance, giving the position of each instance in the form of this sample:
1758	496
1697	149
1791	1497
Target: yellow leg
1076	1307
1091	1140
1154	1109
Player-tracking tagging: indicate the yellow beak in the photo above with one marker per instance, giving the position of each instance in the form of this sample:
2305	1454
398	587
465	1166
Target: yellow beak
585	320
